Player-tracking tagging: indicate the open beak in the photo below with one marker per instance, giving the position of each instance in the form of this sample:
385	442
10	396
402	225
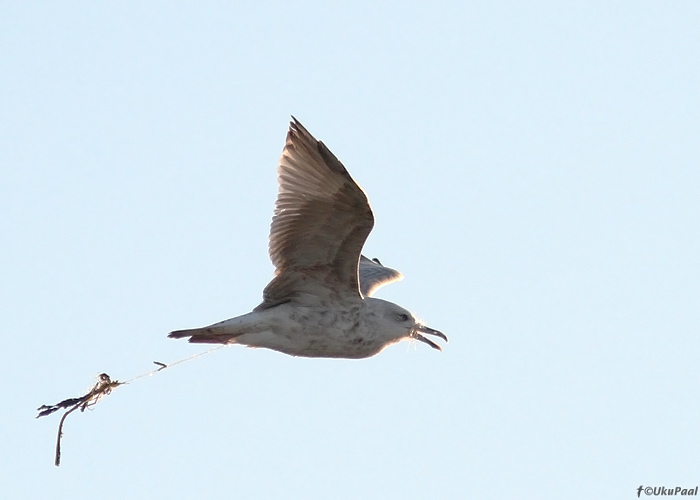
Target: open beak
416	334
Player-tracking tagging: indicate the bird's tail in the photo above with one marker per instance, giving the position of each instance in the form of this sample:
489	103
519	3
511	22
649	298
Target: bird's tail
224	332
207	335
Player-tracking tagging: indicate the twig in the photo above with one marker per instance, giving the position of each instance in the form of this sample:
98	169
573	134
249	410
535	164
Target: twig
102	388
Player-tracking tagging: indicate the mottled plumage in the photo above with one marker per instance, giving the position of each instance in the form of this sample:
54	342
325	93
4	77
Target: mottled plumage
319	303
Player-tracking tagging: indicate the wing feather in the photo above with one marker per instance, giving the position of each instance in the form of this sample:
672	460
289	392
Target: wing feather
374	275
321	221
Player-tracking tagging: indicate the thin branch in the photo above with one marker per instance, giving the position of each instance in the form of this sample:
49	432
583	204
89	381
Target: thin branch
102	388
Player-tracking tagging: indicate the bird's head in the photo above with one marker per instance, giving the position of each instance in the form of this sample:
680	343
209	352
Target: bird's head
399	323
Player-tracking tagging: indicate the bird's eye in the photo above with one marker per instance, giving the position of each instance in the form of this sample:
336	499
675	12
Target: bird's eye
403	317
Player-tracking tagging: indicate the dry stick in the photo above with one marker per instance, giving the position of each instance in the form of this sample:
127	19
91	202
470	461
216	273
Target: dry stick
102	388
57	458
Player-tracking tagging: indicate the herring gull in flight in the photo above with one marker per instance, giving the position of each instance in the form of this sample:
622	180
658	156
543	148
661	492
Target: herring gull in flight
319	303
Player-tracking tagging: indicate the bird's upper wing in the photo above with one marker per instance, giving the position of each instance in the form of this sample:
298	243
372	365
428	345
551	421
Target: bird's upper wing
373	275
321	221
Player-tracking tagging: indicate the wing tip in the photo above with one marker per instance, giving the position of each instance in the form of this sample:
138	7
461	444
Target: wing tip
298	137
295	126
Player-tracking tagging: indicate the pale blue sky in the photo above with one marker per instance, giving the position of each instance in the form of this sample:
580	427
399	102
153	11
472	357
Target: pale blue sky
534	169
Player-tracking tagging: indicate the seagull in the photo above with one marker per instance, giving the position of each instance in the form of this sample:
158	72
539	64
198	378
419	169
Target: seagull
319	303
